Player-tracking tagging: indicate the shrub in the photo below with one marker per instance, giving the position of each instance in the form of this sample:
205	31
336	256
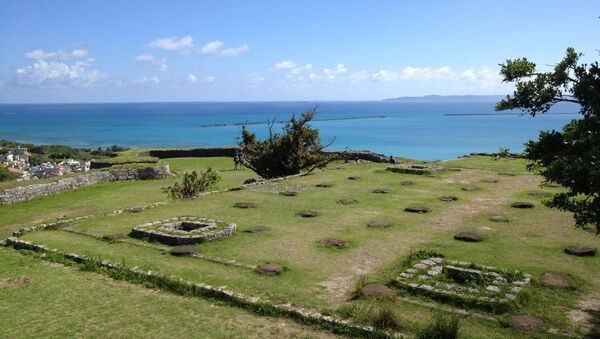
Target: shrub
193	184
444	326
504	152
5	175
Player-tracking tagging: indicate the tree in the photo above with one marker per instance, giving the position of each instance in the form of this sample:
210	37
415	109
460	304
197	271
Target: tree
569	157
297	149
193	184
6	175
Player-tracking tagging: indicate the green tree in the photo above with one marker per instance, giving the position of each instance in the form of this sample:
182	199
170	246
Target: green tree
6	175
296	150
569	157
193	184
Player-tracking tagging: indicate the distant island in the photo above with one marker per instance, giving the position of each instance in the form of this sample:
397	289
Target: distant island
449	98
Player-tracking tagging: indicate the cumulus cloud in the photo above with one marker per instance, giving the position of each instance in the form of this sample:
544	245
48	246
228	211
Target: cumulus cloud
56	74
159	64
192	78
40	54
332	73
180	45
415	73
212	47
146	81
210	79
231	52
286	64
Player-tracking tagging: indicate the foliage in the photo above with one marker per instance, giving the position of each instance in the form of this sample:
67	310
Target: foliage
504	152
45	153
386	317
193	184
568	157
297	149
6	175
443	327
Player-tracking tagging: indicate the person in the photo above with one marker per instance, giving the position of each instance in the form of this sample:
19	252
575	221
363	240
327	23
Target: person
236	160
392	160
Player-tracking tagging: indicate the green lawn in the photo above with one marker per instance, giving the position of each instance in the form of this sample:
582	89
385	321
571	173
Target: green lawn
322	278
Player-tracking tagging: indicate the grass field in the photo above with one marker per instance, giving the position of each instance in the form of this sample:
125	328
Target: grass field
317	277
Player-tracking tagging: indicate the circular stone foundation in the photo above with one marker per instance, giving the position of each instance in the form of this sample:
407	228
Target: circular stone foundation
183	230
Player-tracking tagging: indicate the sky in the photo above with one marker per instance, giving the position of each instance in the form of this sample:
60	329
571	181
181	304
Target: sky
129	51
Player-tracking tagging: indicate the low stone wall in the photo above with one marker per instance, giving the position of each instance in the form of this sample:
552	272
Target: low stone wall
13	195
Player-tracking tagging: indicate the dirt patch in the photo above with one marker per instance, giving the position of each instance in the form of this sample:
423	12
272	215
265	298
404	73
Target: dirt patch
556	280
527	323
256	229
269	269
15	281
377	290
244	204
379	224
333	242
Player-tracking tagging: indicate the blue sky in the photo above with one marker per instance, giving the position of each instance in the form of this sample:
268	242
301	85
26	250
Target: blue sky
114	51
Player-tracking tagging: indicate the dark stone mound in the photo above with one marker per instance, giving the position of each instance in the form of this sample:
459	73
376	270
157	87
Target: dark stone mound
377	290
556	279
581	251
184	250
522	204
381	190
332	242
448	198
526	323
347	201
407	183
379	224
307	214
417	209
244	204
268	269
256	229
471	188
552	185
113	237
468	237
289	193
540	194
490	180
498	218
508	174
323	185
353	178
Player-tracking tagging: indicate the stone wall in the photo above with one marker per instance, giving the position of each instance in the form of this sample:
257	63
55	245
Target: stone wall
13	195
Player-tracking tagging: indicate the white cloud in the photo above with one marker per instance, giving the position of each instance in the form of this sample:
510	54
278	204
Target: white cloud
192	78
361	75
231	52
286	64
51	74
147	81
40	54
159	64
180	45
210	79
415	73
332	73
212	47
256	80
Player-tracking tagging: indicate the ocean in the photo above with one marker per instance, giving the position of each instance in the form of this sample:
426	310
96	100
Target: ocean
419	130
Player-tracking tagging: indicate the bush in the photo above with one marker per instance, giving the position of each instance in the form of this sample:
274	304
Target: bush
193	184
443	327
297	149
5	175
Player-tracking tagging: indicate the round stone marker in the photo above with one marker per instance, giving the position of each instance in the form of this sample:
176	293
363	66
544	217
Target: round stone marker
417	210
522	204
347	201
324	185
407	183
468	237
540	194
184	250
256	229
489	180
353	177
379	224
555	279
289	193
377	290
268	269
381	190
307	214
471	188
581	251
498	218
244	204
524	322
448	198
333	242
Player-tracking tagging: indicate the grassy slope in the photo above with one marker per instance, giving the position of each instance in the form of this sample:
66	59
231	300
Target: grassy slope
320	277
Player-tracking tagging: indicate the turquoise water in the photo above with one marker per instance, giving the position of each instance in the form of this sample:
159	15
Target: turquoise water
415	130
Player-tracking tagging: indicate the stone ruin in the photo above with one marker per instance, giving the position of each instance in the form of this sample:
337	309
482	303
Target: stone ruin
464	283
183	230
